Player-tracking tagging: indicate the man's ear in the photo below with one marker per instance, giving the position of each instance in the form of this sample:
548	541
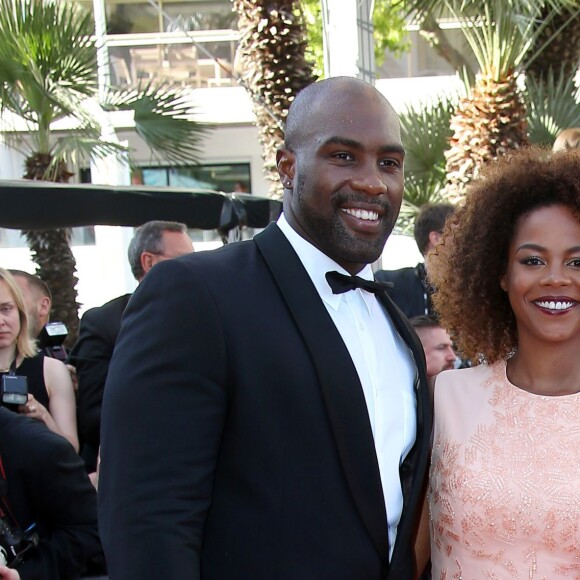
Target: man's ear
285	162
434	239
146	261
44	306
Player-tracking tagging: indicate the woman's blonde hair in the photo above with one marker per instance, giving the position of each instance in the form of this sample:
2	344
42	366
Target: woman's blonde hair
567	139
25	345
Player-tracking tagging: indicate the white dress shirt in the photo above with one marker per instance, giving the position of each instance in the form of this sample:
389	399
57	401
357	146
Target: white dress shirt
384	364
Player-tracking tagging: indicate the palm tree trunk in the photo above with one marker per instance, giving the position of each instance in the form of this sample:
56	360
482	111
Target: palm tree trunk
52	253
274	68
487	123
56	265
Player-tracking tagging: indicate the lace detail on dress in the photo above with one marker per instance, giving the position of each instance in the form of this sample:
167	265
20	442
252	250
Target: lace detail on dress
505	482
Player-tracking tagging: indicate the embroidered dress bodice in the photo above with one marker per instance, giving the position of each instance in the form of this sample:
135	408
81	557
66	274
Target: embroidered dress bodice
504	492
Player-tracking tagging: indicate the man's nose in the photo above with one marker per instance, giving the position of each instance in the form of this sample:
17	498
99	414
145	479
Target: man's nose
369	180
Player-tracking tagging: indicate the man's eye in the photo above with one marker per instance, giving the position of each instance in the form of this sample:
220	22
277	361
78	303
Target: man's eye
343	156
389	163
574	263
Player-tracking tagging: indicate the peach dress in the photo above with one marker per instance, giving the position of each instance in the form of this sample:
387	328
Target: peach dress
504	492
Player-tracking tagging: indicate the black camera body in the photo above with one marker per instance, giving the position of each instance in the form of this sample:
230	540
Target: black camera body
13	390
14	543
51	339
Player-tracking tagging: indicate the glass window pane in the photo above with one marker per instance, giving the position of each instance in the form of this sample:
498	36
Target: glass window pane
125	17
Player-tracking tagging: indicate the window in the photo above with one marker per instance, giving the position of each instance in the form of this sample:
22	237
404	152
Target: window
220	177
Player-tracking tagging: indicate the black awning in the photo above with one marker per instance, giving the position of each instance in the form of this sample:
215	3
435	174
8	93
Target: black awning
45	205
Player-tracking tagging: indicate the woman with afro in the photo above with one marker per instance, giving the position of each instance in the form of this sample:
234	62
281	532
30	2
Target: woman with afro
504	492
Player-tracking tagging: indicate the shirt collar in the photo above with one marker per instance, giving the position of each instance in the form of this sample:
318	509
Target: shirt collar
317	264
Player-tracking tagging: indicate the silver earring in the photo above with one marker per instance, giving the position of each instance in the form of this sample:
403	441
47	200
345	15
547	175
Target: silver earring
288	184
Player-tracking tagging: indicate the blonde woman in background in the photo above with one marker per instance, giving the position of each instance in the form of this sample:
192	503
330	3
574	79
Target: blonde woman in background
567	139
51	397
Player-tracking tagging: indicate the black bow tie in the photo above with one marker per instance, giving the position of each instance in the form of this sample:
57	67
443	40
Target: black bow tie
340	283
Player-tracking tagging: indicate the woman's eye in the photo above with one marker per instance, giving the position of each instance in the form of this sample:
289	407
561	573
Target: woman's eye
574	262
532	261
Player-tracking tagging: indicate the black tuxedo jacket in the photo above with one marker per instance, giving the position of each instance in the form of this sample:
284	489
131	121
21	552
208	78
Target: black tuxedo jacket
236	442
91	356
46	484
408	292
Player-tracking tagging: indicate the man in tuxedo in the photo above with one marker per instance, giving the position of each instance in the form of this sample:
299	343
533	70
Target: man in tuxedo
410	289
264	416
153	242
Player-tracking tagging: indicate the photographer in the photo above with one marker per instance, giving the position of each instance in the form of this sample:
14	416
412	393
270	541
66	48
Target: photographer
44	487
51	398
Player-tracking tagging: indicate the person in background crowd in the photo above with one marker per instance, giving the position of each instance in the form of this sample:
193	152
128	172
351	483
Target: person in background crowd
411	291
51	397
505	472
240	187
439	353
45	495
266	413
37	299
567	139
153	242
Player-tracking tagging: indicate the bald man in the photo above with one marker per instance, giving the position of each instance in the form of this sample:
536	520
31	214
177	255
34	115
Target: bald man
266	412
37	299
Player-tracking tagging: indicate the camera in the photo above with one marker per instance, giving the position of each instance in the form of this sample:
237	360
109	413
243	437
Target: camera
13	390
14	543
51	339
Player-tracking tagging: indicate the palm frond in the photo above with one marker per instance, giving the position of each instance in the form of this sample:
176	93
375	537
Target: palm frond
553	105
164	119
47	61
499	32
85	145
425	132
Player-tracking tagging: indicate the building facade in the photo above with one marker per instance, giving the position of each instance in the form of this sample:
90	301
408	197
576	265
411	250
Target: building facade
193	43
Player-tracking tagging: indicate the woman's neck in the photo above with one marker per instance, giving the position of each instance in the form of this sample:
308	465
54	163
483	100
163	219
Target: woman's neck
7	357
552	371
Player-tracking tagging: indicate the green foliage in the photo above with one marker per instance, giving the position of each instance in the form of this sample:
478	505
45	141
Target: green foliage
389	31
425	132
48	64
553	105
48	71
499	32
162	116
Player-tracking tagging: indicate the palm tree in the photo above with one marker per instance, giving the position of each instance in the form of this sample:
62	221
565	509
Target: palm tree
553	104
491	119
425	133
559	45
274	68
48	71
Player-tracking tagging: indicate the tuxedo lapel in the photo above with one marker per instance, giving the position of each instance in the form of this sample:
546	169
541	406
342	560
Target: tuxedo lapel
414	467
338	379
